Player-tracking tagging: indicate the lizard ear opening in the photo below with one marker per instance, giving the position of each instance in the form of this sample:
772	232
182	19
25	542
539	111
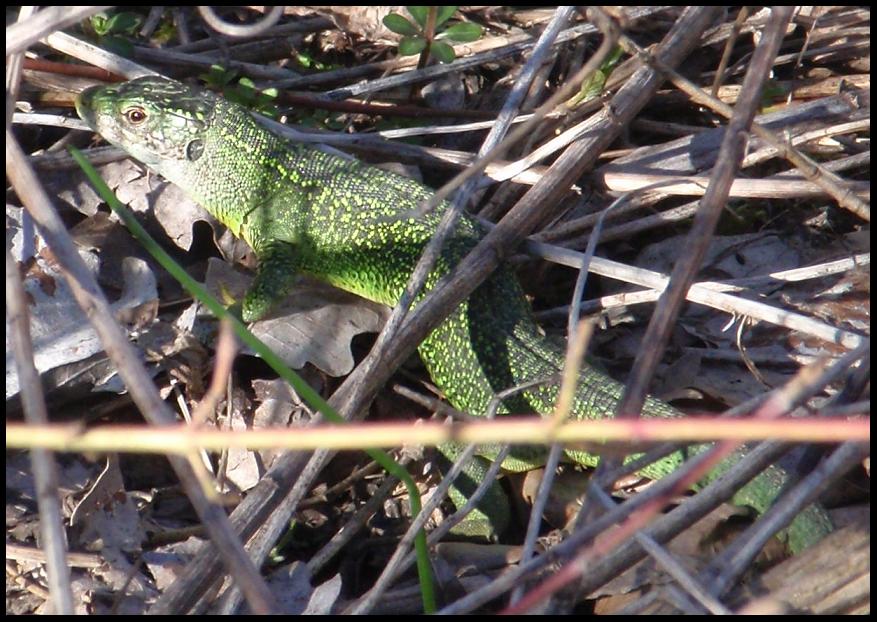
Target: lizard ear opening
194	150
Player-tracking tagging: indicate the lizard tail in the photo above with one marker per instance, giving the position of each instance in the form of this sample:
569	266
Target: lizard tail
482	349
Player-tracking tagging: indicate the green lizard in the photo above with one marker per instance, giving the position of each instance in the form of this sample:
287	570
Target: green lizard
306	211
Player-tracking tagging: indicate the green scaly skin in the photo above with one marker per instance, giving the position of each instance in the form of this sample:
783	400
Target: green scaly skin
305	211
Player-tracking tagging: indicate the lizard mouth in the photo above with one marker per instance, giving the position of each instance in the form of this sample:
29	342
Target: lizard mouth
85	105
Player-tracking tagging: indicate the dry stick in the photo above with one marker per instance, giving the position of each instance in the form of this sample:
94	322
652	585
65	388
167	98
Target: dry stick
22	35
796	89
578	224
683	212
827	54
434	404
711	205
180	61
89	296
669	151
774	187
303	25
619	179
150	24
815	271
846	162
726	167
254	51
14	63
33	403
83	50
33	554
831	183
342	486
729	47
42	461
238	30
262	502
180	439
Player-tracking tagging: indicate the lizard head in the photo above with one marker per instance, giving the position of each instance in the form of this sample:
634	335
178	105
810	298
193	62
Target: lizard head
158	121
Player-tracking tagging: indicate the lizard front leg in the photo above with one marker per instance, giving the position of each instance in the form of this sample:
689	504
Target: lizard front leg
278	268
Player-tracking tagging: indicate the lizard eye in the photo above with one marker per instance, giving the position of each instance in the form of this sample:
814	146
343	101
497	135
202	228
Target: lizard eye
135	116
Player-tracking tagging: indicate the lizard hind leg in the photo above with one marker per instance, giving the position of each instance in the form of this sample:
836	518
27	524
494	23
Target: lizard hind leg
491	516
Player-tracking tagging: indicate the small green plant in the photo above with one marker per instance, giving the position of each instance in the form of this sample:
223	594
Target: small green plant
425	36
593	86
772	93
319	119
310	62
165	33
112	30
244	92
120	23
